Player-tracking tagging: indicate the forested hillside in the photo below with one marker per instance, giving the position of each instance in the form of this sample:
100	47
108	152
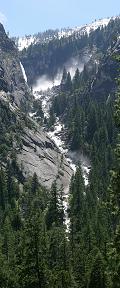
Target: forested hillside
48	58
36	250
52	235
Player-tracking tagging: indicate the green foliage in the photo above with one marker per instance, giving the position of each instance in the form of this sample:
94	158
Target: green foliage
97	277
35	248
114	206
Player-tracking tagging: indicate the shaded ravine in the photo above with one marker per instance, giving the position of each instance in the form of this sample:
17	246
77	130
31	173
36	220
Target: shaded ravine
72	158
57	135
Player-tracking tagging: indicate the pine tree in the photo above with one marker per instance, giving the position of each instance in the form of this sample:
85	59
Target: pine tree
68	84
32	260
76	214
3	190
76	205
59	259
35	184
114	190
53	208
97	277
76	79
64	76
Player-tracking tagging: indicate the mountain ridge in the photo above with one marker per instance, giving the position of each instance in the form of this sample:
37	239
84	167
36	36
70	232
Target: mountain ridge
50	58
48	35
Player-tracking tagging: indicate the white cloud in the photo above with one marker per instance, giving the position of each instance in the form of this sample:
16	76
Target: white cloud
3	18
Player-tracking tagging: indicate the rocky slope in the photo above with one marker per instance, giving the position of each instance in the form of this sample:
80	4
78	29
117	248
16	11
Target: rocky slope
11	76
39	154
35	151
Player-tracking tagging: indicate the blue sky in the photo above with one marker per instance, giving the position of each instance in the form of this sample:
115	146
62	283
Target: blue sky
22	17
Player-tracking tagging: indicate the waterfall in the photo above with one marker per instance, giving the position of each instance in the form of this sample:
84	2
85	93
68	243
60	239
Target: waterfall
23	72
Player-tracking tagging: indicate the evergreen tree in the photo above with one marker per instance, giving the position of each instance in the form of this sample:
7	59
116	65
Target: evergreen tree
114	190
76	214
35	184
68	84
3	190
76	207
55	214
76	79
33	272
97	277
64	76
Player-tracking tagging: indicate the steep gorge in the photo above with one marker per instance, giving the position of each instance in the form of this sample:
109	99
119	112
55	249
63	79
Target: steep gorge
35	151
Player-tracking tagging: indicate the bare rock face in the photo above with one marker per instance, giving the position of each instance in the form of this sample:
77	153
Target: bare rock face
11	76
40	155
